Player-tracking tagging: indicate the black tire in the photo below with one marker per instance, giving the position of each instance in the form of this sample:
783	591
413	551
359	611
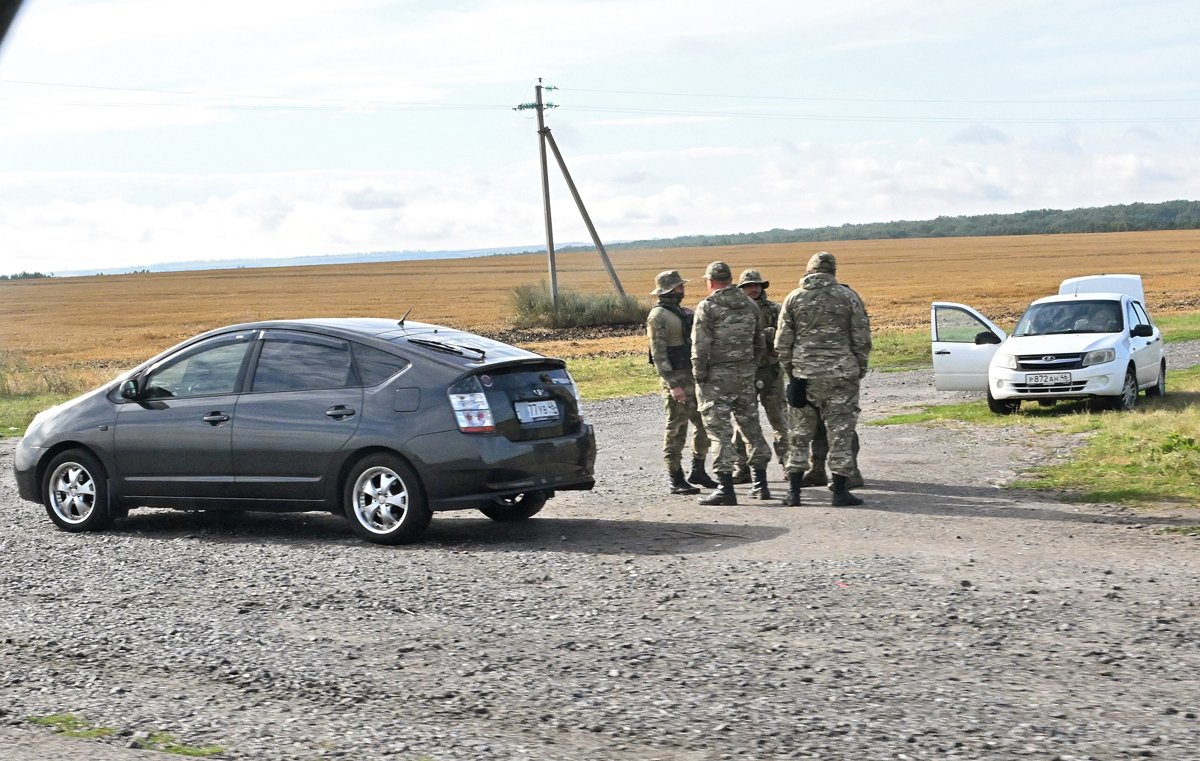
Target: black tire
384	501
75	492
1159	389
1002	406
1126	401
519	507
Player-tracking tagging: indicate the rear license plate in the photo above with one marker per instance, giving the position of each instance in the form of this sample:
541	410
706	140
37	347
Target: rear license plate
532	412
1047	379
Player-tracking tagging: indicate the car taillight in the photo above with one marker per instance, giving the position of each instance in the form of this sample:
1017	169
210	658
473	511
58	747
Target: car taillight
470	405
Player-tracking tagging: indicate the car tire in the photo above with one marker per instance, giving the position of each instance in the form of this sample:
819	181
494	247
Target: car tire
519	507
1160	387
1002	406
384	501
75	492
1126	401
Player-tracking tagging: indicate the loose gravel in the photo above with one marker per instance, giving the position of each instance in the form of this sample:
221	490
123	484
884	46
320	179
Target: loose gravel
945	618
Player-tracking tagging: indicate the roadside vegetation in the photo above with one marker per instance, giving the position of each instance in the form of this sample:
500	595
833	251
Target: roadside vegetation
70	725
1148	456
533	307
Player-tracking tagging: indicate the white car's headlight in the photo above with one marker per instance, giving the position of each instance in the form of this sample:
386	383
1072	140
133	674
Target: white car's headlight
1005	360
1099	357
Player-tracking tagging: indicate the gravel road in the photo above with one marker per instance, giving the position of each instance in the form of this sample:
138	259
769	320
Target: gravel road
946	618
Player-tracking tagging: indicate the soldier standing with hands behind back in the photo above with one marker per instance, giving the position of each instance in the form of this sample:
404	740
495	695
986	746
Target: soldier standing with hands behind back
669	330
824	340
727	342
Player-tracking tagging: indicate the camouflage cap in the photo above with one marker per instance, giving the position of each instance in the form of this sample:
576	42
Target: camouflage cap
753	277
822	261
718	271
667	281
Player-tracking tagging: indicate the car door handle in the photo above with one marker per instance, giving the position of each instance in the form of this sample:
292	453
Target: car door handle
943	351
216	418
340	412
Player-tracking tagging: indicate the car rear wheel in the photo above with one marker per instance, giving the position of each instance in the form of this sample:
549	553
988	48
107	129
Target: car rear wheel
1002	406
518	507
384	501
1129	391
75	492
1160	387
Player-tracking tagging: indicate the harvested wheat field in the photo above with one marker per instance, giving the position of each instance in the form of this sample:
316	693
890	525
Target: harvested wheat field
72	331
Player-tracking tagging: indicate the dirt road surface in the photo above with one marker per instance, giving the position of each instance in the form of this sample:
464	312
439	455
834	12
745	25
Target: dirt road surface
946	618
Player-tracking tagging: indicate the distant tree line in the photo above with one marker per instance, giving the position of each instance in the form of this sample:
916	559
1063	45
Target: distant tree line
1134	217
24	276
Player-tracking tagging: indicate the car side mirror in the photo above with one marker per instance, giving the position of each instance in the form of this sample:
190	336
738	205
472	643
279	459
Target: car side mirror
129	390
1142	331
986	337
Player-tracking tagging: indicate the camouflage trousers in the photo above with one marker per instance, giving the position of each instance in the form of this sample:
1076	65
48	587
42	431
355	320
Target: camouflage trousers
728	395
833	401
774	402
820	450
679	415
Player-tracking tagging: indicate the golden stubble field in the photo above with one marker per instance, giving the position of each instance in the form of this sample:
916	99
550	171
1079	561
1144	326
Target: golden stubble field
82	330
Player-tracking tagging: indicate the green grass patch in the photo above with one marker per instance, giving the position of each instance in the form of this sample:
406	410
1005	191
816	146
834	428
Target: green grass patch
614	377
165	743
900	350
532	307
1179	327
17	411
71	726
1181	530
1148	456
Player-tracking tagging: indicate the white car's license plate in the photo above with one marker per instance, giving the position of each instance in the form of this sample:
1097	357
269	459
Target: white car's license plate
1047	379
531	412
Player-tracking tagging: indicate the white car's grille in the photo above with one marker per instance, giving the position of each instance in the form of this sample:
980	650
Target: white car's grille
1049	362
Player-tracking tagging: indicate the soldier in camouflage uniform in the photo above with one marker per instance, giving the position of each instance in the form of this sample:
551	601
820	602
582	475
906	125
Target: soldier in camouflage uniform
768	378
727	343
669	330
824	337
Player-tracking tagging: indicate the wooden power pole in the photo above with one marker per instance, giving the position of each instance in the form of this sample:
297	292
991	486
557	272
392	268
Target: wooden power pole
545	137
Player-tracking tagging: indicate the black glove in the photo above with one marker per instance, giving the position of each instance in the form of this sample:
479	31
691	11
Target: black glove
796	392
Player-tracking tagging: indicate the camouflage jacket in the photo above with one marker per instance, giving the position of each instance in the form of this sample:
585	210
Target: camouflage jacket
727	330
824	331
770	317
670	345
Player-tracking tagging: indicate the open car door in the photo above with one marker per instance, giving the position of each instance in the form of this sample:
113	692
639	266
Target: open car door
964	342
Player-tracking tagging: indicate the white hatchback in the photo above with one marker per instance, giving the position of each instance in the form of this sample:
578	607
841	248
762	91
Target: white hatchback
1094	341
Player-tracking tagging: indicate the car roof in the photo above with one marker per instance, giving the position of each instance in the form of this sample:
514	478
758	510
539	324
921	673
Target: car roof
1061	298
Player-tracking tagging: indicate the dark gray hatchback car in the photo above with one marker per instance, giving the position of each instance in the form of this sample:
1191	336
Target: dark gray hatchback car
380	420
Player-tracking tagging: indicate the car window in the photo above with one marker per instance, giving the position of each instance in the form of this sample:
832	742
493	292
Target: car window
376	366
1142	317
1133	316
1070	317
957	326
302	362
213	367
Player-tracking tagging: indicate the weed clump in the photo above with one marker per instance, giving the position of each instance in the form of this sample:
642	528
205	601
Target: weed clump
531	306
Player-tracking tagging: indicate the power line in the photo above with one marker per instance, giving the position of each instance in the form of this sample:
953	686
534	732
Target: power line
816	99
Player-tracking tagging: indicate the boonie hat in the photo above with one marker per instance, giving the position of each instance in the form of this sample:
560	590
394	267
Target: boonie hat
753	277
718	271
667	281
822	261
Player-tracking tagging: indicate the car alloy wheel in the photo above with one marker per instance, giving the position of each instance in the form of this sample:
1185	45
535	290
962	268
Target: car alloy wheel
384	501
1129	390
1160	386
76	492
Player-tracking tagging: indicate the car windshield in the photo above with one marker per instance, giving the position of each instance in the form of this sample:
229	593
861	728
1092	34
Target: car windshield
1070	317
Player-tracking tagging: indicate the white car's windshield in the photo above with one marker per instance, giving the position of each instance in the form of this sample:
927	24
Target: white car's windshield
1070	317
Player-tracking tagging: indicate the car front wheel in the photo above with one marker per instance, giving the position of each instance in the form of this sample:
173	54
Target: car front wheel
518	507
1129	391
75	492
1002	406
384	501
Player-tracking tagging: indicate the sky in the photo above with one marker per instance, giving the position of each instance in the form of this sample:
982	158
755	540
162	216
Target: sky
137	132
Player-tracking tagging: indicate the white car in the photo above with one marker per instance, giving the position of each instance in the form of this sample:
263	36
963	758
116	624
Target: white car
1093	341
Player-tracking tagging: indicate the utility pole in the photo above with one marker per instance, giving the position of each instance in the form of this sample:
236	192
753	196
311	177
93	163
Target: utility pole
544	137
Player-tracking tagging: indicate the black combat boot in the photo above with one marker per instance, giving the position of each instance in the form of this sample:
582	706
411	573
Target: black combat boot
724	494
795	481
760	490
741	473
841	493
679	484
698	476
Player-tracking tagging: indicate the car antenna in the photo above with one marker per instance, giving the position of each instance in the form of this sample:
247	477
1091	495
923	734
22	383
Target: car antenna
405	317
414	306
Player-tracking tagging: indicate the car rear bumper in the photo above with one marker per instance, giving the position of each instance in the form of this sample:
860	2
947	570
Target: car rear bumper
470	470
1098	380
